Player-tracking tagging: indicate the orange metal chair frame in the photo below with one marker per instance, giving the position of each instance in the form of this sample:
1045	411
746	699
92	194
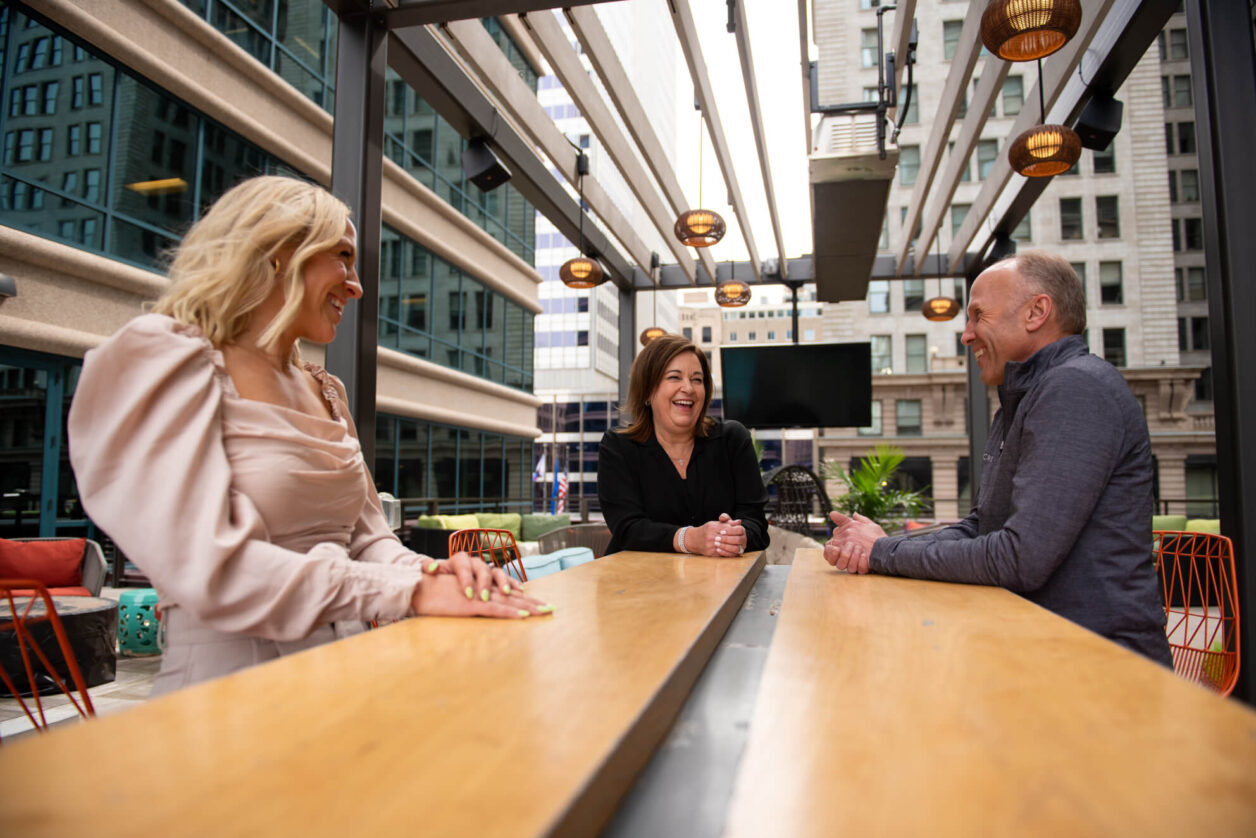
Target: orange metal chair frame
496	547
1201	603
19	623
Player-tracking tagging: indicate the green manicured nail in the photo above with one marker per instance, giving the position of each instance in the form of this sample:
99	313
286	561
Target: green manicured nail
505	589
545	609
432	567
523	613
470	592
484	595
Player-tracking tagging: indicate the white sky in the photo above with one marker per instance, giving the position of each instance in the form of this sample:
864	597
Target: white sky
773	27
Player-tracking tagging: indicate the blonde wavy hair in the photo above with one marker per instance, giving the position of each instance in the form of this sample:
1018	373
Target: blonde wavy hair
224	267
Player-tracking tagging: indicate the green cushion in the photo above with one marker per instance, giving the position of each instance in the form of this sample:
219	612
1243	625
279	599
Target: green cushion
535	526
512	521
1168	522
1212	525
429	522
459	522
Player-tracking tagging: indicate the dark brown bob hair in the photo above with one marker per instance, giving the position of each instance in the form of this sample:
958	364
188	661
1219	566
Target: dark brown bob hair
647	371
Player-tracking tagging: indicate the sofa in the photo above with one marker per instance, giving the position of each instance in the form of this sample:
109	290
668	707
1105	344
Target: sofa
66	566
429	534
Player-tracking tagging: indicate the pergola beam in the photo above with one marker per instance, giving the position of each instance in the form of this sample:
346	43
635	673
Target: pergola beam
420	12
682	19
1104	15
423	62
800	270
597	46
955	88
756	125
548	34
479	49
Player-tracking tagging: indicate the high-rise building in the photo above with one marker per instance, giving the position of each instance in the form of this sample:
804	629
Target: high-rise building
123	121
1115	216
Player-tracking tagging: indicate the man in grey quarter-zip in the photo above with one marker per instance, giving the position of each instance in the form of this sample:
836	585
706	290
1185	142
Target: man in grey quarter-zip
1063	516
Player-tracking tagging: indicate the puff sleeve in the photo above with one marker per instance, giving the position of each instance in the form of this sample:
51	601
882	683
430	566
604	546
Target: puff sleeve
146	444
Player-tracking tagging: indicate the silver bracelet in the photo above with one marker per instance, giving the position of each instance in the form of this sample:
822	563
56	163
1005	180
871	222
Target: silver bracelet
681	539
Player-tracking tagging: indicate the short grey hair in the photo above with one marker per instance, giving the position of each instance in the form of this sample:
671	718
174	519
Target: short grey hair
1046	273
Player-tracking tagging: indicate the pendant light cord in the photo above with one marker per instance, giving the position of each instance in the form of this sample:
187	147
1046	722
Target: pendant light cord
699	159
1042	102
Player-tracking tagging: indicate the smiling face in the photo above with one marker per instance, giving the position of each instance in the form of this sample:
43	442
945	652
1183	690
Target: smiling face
999	320
330	280
677	399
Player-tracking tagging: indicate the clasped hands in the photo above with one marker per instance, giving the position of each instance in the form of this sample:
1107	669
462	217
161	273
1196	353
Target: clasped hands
466	586
724	537
852	541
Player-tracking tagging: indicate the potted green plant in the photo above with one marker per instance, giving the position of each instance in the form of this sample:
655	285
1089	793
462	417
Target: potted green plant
870	490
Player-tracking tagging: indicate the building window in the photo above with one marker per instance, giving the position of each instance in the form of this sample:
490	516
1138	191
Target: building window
950	37
1196	286
1189	179
913	294
881	360
1177	44
1023	231
1166	93
987	153
1183	340
966	175
1114	347
1199	333
732	337
1013	95
1173	187
908	164
1110	292
1108	216
1203	387
879	296
687	331
706	334
1175	228
913	107
771	334
1182	91
868	47
907	417
752	336
958	213
873	428
1186	137
1079	268
917	354
1168	138
1105	160
1071	219
1193	229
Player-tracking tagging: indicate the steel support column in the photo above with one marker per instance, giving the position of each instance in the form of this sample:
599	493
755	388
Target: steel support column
357	163
627	340
1223	68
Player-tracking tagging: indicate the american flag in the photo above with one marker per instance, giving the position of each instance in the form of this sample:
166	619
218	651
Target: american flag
562	490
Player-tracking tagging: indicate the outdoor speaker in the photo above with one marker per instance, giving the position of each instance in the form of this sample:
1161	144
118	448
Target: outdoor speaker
482	166
1099	122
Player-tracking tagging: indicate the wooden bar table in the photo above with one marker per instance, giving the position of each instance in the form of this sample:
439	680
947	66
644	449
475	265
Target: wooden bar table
436	727
902	707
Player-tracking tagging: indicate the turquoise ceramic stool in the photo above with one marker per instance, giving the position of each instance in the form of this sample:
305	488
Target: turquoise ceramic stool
572	556
138	625
543	565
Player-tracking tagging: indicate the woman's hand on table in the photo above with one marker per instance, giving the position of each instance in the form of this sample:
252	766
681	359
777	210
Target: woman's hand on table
725	537
484	590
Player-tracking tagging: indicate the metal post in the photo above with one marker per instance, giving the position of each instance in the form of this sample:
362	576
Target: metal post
627	341
793	287
356	170
1223	71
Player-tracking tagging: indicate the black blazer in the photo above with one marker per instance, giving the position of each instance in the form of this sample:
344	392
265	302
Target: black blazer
645	500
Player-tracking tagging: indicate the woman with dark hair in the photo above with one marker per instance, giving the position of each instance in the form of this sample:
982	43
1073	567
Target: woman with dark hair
674	479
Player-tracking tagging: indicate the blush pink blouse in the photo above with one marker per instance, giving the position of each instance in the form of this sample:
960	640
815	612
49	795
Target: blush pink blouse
257	519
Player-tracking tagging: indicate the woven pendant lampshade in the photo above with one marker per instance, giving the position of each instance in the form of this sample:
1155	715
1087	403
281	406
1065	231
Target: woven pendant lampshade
581	272
700	228
1045	150
732	293
940	308
1022	30
651	333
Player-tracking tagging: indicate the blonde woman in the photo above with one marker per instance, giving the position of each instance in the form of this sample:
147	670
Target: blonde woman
229	470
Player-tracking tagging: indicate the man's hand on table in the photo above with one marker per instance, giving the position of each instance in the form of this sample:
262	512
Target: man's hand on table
852	541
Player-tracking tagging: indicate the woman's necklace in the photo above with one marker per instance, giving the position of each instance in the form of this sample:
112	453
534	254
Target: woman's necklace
680	461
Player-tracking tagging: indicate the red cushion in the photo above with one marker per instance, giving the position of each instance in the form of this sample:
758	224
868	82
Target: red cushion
58	564
68	591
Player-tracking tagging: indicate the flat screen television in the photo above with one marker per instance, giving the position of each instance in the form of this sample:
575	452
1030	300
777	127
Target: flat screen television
814	385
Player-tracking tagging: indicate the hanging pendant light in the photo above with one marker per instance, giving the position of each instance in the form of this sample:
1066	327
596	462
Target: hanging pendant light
1022	30
1044	150
651	333
582	271
940	309
700	227
732	292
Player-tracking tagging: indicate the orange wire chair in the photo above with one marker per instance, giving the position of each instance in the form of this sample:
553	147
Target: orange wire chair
496	547
1201	603
18	620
